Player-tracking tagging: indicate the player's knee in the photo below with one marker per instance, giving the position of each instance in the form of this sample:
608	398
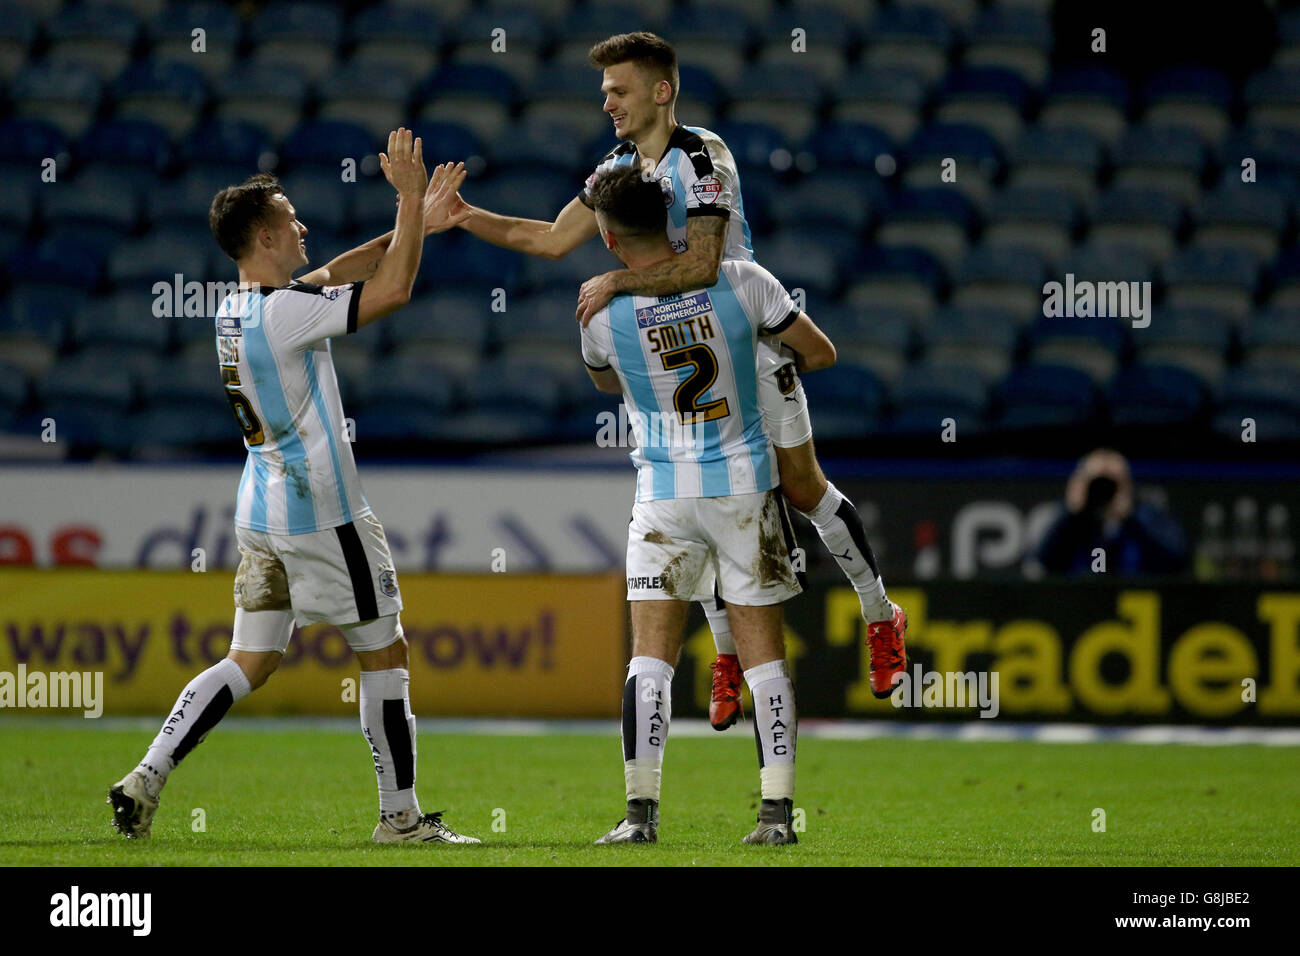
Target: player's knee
258	668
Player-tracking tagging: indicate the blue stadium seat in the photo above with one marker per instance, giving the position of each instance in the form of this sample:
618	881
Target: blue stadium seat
975	151
936	218
98	37
1273	335
1250	215
33	324
449	141
929	392
18	32
530	193
186	199
25	140
1146	219
1106	262
1285	279
300	34
589	259
988	98
13	392
1274	152
60	260
172	33
1038	217
227	144
837	197
97	376
366	94
478	97
1189	97
450	327
1272	97
64	95
159	434
189	382
402	35
787	101
524	28
321	198
168	94
136	148
155	258
752	144
801	261
1092	97
455	258
124	319
543	319
903	277
982	339
18	208
1267	394
710	36
888	99
1003	277
265	95
1156	396
413	382
698	87
1218	277
916	39
845	401
1192	338
829	34
516	385
539	142
1059	157
1036	397
1093	345
327	142
852	145
876	337
1170	158
1012	38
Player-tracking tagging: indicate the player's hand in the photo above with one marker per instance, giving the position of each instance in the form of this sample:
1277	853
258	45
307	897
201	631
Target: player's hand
594	296
403	164
443	207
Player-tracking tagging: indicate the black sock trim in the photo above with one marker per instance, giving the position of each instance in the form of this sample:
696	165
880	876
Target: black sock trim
853	521
398	734
354	556
629	718
787	532
221	702
758	740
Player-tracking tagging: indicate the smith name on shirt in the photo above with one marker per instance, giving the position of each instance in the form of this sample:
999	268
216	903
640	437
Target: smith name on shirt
689	317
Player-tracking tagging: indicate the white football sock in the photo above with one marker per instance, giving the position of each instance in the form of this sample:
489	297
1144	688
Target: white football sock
840	528
647	708
720	625
389	728
775	727
202	703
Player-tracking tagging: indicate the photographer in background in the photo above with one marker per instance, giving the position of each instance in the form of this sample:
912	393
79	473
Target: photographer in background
1100	512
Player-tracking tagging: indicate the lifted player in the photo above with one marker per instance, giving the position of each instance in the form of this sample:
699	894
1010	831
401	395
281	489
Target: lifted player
706	226
705	506
311	550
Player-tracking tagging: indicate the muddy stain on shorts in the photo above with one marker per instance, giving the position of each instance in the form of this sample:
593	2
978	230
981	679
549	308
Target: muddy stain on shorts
261	583
772	566
657	537
670	578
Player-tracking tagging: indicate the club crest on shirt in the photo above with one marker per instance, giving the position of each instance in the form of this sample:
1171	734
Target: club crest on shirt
707	189
388	582
331	292
666	185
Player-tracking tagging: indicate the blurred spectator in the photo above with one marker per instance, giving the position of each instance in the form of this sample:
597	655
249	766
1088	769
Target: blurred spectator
1101	512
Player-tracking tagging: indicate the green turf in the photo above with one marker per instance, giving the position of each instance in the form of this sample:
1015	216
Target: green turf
307	797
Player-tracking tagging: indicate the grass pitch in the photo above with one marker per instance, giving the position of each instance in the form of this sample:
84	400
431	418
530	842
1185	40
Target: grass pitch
306	797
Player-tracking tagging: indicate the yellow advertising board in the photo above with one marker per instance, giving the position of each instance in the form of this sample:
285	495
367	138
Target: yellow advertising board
511	645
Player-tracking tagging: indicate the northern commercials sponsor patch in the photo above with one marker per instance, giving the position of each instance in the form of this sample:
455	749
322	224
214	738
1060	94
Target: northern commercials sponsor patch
673	310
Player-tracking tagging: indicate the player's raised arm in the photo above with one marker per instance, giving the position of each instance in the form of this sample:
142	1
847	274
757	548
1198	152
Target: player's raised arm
696	268
813	350
360	263
551	240
390	289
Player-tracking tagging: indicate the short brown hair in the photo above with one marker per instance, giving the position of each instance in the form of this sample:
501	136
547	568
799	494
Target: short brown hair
632	204
237	211
647	50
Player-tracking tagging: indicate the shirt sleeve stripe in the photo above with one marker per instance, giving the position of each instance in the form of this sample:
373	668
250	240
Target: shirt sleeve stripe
784	324
707	211
353	304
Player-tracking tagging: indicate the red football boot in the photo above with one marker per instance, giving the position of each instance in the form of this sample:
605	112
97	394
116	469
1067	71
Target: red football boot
724	707
888	653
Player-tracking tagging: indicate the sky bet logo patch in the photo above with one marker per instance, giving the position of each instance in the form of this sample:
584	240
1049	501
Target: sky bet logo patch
707	190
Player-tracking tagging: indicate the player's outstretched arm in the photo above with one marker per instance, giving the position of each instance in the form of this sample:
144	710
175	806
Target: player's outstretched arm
359	264
574	225
696	268
813	350
390	288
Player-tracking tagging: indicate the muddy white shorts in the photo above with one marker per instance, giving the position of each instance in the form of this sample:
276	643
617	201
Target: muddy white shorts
780	396
340	575
678	547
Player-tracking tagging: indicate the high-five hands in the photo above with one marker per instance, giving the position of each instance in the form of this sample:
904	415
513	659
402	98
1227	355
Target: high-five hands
443	207
403	164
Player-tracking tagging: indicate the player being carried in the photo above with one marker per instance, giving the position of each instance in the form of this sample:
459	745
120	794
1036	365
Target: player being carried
310	547
706	515
706	226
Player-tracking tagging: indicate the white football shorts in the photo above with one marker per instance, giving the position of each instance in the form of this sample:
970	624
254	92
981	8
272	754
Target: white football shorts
780	395
340	575
678	547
